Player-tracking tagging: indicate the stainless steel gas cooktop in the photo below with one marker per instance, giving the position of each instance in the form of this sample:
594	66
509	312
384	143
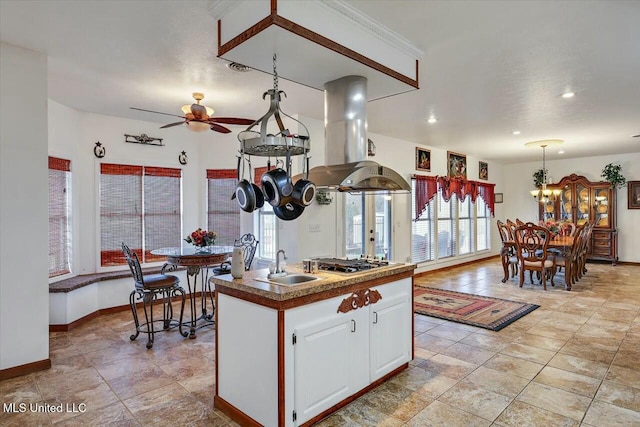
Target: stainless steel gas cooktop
342	265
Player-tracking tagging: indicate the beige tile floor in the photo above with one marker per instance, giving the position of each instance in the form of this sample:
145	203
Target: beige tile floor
575	361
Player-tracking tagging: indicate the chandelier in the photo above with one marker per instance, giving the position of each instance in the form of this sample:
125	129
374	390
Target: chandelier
544	194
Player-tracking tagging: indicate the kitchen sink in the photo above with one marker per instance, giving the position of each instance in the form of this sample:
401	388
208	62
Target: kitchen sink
291	279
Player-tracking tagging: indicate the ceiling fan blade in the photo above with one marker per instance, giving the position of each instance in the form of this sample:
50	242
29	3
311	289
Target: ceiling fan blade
231	120
218	128
157	112
170	125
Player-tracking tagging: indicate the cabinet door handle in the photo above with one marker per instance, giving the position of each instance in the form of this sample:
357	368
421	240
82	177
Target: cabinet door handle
375	319
353	325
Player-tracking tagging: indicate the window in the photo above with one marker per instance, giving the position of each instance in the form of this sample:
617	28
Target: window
447	227
466	220
140	206
223	213
461	225
59	216
267	232
422	231
484	225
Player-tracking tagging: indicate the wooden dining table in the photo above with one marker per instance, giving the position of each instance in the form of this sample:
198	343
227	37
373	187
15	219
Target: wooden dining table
563	243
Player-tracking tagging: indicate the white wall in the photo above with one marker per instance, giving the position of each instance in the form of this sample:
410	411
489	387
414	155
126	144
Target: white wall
24	217
520	204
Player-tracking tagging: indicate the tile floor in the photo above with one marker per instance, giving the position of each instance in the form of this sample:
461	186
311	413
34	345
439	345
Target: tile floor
575	361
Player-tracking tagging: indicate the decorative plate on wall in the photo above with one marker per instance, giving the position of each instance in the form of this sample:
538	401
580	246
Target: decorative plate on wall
602	209
567	194
567	207
550	208
603	222
603	193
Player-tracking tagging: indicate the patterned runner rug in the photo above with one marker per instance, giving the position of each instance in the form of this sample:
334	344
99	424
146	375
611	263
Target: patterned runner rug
477	310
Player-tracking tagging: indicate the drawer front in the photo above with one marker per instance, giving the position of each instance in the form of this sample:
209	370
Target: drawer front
602	251
601	235
598	243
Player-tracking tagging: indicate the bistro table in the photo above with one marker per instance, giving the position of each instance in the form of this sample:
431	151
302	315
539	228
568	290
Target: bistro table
195	259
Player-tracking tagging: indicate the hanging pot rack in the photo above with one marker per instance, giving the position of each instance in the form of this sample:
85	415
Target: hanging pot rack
265	144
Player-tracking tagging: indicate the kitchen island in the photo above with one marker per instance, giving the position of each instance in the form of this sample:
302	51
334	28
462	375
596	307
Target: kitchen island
289	355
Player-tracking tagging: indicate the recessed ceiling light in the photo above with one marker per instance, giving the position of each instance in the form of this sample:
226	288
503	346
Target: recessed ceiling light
561	152
432	120
515	132
568	94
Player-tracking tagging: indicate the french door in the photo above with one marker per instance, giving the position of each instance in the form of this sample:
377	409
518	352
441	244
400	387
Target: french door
367	225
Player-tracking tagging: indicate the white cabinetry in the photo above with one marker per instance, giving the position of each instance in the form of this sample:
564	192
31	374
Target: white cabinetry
337	354
390	342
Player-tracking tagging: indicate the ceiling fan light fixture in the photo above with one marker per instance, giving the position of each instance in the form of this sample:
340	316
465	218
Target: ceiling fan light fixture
197	126
186	109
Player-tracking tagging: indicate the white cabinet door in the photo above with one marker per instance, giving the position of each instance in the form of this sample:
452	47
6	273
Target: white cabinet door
391	334
330	364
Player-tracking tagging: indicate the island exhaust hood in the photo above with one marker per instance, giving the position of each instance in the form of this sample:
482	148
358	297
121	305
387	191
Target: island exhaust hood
345	111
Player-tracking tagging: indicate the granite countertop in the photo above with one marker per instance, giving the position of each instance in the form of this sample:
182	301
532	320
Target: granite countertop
329	281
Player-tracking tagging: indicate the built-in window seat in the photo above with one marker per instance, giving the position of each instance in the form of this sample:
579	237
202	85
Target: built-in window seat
77	300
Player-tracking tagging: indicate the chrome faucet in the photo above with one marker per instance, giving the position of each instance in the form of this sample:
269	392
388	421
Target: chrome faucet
284	256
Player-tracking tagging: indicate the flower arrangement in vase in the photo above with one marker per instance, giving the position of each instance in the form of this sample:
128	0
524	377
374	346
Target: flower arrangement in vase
202	238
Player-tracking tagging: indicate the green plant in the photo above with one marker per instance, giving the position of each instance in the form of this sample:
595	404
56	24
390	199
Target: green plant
538	178
612	174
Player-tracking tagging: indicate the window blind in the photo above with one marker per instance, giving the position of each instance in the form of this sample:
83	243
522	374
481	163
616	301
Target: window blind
59	216
422	228
447	227
162	216
223	213
140	206
483	224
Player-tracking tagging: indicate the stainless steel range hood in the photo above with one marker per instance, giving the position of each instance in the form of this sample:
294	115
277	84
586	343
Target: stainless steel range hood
345	112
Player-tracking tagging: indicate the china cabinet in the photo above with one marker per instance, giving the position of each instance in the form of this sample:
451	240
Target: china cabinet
579	201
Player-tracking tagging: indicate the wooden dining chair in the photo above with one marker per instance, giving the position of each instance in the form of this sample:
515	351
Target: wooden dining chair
508	251
532	242
568	259
519	222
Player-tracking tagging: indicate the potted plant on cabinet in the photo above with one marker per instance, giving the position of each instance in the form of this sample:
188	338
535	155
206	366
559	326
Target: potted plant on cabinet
613	175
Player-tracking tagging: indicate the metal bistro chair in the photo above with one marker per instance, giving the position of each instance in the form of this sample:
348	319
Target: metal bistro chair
249	244
148	288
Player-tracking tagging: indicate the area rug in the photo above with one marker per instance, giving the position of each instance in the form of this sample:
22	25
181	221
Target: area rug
477	310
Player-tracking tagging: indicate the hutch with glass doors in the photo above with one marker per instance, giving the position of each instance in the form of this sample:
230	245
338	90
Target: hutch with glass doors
581	201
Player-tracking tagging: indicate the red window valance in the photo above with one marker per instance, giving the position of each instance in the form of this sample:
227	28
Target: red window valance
222	173
463	188
58	164
426	189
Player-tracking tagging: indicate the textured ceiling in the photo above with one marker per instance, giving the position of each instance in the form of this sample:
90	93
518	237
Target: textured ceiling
488	68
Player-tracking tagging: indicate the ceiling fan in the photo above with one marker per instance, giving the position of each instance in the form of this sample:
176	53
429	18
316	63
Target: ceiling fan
198	117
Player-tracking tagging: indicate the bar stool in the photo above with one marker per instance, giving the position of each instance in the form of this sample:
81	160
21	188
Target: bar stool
149	288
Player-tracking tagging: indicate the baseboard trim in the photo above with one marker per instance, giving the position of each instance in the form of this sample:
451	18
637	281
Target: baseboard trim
28	368
234	413
449	267
110	310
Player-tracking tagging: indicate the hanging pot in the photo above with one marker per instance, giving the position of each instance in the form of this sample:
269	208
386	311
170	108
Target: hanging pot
248	194
303	192
288	211
277	185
